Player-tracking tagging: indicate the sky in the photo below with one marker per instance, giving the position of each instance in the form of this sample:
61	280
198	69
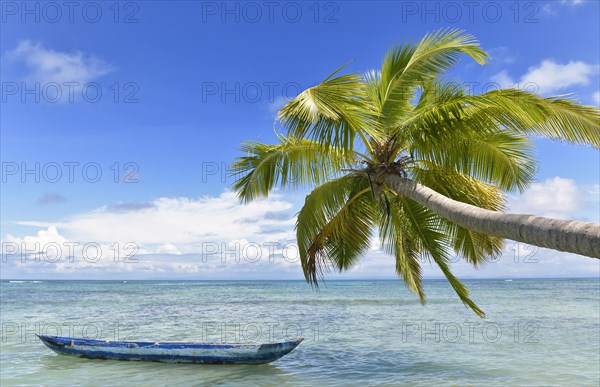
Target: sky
119	121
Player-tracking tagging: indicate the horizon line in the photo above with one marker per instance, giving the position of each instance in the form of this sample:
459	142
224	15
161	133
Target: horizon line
289	280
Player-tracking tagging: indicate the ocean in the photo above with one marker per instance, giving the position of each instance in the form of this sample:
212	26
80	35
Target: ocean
537	332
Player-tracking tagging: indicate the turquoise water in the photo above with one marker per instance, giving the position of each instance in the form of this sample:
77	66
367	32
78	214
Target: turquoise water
537	332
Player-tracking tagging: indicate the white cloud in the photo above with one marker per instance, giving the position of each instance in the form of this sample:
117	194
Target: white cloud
556	197
219	238
48	251
503	79
43	237
46	65
179	224
167	248
549	76
210	236
553	8
596	97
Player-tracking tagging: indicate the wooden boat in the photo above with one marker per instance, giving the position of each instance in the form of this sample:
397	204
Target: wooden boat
170	352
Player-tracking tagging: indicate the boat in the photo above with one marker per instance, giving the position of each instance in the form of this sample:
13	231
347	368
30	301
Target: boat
170	352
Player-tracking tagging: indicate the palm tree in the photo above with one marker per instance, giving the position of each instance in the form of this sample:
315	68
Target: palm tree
420	160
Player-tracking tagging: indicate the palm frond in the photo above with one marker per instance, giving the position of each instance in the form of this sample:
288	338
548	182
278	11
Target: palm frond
427	225
372	86
397	240
331	113
335	225
439	107
557	118
406	66
440	103
474	247
292	163
500	157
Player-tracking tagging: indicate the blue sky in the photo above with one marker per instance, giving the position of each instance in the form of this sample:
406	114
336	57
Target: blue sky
127	116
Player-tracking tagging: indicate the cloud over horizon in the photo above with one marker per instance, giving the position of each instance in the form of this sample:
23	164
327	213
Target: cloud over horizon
216	237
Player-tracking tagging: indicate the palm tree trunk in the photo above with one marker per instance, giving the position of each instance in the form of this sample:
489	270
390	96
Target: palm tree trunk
562	235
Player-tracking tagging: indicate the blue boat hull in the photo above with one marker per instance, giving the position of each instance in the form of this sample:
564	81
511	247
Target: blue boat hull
170	352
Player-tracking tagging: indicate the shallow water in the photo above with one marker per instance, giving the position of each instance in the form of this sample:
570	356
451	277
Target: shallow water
537	332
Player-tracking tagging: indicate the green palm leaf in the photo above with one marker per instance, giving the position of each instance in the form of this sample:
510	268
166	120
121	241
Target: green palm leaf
428	227
397	240
335	225
406	66
499	157
556	117
292	163
331	113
